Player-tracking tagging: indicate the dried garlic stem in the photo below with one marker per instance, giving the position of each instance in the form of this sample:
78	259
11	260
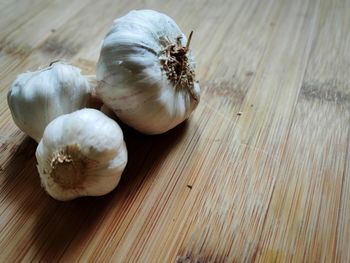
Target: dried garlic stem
175	62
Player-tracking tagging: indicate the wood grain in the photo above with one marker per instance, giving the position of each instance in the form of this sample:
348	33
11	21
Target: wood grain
259	173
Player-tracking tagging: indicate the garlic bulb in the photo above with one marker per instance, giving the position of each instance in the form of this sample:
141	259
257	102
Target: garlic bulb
36	98
146	72
81	154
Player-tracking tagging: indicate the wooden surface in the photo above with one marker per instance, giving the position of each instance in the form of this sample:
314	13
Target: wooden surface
271	184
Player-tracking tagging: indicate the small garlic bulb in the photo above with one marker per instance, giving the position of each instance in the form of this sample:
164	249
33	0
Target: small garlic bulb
81	154
36	98
146	72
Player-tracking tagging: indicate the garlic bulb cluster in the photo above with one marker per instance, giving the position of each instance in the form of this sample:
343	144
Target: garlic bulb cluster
36	98
145	76
81	154
146	72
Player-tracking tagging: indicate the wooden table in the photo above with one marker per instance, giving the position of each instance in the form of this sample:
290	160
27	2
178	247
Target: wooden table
260	172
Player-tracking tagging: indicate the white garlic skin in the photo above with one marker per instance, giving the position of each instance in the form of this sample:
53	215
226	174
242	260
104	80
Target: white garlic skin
36	98
81	154
132	80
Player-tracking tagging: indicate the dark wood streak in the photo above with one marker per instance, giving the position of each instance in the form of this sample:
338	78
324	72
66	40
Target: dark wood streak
59	47
326	91
234	89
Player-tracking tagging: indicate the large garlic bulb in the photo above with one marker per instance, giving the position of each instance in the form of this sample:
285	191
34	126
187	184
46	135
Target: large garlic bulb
81	154
36	98
146	72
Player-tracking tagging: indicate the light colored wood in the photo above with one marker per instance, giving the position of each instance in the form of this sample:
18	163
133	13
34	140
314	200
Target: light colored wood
270	184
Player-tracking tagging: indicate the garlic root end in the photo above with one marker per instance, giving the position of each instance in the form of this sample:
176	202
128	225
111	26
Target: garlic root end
68	167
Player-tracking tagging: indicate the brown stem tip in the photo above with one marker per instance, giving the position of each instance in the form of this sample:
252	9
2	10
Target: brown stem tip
53	62
189	41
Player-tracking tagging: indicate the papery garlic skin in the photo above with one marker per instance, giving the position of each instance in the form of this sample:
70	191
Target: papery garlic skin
36	98
136	72
81	154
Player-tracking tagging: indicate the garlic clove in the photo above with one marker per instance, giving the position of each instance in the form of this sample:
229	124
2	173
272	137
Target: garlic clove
81	154
146	72
36	98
